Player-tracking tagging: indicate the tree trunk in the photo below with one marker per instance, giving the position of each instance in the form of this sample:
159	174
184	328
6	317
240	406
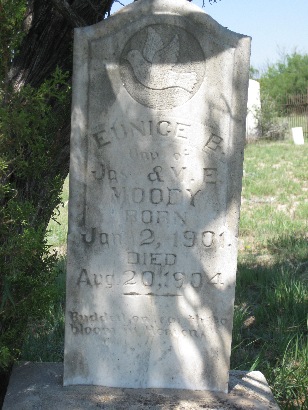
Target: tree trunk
48	44
34	154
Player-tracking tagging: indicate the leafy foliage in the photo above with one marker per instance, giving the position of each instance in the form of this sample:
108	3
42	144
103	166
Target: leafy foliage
12	15
273	126
28	126
254	73
288	76
44	337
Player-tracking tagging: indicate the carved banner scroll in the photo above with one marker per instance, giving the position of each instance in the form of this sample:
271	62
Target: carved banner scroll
158	126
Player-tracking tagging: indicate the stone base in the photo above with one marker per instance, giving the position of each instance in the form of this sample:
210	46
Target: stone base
39	386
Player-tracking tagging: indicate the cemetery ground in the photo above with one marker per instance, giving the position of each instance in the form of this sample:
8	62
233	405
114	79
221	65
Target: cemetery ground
270	322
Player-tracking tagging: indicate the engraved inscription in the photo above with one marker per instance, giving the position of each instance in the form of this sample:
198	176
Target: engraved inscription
104	238
156	174
162	276
156	196
155	217
162	259
205	239
215	144
162	66
100	172
107	326
173	128
143	155
148	236
157	122
159	128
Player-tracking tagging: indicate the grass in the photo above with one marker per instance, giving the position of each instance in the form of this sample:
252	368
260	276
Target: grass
270	321
45	340
270	325
57	228
298	121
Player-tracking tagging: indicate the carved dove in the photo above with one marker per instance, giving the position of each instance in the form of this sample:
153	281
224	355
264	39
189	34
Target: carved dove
155	67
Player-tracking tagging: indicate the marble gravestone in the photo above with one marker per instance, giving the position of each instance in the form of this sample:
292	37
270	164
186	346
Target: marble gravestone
253	130
298	135
158	132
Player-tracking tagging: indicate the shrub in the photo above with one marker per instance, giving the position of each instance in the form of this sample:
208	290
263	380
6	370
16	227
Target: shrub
272	125
30	189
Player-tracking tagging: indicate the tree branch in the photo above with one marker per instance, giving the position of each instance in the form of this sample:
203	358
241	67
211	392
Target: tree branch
68	13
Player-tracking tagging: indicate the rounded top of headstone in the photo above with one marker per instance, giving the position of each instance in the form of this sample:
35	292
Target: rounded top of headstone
162	66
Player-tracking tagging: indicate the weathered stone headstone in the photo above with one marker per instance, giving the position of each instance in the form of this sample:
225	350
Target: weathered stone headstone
297	135
253	110
158	131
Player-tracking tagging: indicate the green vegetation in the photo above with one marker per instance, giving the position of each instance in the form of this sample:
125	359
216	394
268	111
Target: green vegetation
31	120
273	125
27	198
12	15
270	325
270	321
57	228
44	339
287	76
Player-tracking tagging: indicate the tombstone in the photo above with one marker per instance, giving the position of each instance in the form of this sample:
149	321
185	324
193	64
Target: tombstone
297	135
158	133
253	110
